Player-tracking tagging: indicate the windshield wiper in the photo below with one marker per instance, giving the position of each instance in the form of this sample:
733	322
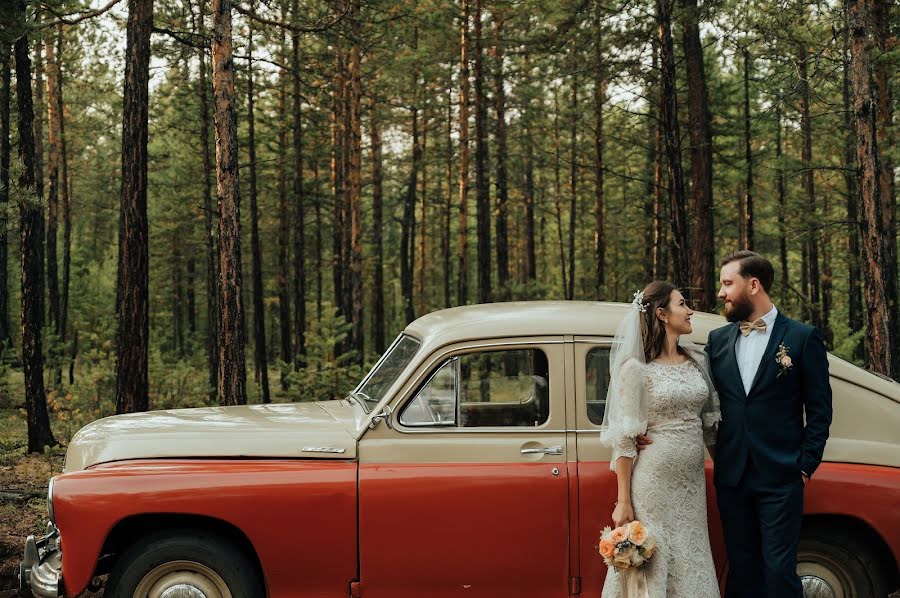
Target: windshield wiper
361	398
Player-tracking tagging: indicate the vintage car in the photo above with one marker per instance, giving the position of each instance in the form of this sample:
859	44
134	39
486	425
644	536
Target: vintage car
466	463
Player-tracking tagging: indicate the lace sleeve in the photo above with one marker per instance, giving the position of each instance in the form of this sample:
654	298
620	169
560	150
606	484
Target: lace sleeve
710	414
627	411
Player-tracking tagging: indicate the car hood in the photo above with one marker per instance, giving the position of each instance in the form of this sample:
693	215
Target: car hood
289	430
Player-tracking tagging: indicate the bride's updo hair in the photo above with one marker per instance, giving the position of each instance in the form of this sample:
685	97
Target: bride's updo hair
653	331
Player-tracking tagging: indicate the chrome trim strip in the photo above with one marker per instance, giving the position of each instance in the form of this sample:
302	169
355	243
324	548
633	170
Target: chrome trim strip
323	449
546	450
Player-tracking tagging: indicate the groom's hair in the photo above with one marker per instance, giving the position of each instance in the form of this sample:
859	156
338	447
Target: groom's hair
753	265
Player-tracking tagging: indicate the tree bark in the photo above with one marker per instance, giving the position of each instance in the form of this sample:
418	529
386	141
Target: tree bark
212	273
421	268
558	193
573	182
502	228
232	385
177	295
299	216
679	241
855	319
39	109
448	208
132	288
53	187
482	190
65	189
38	421
878	341
337	178
5	93
284	223
782	208
812	244
599	166
463	288
530	250
748	241
882	69
407	224
701	254
378	315
356	331
259	314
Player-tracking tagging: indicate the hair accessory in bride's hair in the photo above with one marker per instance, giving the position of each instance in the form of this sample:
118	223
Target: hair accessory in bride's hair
638	302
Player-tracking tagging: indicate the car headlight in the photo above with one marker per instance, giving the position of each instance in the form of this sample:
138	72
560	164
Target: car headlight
50	501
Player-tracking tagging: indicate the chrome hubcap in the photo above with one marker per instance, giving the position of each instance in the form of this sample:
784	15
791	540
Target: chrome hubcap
182	590
816	587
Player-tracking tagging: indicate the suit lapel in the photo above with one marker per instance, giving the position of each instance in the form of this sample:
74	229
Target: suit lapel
732	364
768	358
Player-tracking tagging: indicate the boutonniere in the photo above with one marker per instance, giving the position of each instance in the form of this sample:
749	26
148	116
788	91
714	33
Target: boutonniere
783	360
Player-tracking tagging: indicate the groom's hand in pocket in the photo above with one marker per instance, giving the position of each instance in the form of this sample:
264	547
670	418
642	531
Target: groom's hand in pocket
642	441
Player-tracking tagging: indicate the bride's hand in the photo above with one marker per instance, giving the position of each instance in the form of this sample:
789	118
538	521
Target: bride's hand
623	513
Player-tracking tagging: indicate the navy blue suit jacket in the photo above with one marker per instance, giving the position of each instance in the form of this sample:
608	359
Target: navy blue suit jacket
766	424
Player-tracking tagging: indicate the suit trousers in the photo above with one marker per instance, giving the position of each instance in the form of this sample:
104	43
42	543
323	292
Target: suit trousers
761	523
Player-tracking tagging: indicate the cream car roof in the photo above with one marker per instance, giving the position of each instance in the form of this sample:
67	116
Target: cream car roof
580	318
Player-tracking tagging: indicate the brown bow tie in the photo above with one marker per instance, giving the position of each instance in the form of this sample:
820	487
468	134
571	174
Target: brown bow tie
747	327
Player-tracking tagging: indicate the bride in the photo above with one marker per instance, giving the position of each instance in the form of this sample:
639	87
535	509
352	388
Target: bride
661	388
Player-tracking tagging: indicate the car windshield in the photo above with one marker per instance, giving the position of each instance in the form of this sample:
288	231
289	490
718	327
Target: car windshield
386	371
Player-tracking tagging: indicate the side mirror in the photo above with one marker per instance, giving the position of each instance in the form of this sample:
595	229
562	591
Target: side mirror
385	415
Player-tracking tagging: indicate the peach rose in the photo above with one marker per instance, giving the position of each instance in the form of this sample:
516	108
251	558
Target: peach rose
786	361
622	559
637	533
606	549
619	534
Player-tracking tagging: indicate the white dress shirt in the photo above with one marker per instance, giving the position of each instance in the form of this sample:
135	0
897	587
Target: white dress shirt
749	349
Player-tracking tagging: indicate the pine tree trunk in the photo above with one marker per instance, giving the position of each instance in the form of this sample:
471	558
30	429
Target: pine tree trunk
408	224
38	421
679	242
482	189
573	183
65	189
599	224
448	211
356	273
319	224
132	287
502	227
232	367
879	350
748	241
212	273
191	268
177	295
558	193
701	254
284	224
259	314
530	250
855	319
39	110
812	244
299	216
53	187
421	267
5	93
378	315
782	209
337	178
463	289
882	68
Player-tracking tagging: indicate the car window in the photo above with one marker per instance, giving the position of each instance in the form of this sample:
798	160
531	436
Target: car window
387	370
509	388
596	373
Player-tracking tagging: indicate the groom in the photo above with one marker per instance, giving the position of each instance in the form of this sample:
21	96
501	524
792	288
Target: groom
769	371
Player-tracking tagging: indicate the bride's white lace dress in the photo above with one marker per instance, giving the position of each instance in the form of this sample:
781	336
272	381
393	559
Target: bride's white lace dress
668	486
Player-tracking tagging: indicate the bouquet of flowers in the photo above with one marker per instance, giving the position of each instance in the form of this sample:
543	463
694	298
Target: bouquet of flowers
627	546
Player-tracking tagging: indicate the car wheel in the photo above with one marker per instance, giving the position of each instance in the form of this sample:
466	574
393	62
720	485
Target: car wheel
837	565
180	565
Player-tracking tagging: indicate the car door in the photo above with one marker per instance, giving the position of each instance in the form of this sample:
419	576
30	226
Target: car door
466	491
596	482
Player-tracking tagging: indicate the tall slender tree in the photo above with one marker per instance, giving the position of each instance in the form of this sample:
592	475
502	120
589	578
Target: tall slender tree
284	234
482	189
38	421
462	296
232	385
299	200
748	240
855	319
53	187
259	314
599	141
878	341
6	57
356	274
502	209
132	301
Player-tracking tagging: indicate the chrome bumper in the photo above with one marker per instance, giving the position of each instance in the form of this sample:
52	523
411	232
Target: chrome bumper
40	572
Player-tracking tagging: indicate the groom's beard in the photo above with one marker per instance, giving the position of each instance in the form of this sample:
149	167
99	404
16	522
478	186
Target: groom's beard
740	309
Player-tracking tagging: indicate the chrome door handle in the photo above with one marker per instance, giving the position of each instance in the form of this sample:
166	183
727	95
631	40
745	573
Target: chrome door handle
547	450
